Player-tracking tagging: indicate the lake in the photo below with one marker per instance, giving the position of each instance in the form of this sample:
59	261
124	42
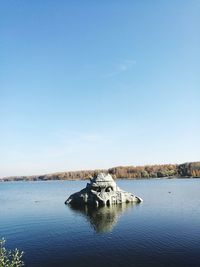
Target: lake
164	230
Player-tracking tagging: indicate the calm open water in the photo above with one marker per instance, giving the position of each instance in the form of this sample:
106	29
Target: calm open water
162	231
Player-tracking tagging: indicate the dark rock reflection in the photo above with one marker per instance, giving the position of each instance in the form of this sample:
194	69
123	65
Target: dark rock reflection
103	219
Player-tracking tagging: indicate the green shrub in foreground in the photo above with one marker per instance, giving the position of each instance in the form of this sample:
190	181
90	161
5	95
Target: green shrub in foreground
10	258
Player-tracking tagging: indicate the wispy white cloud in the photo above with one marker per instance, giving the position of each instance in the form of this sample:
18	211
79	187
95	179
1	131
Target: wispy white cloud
107	69
78	137
126	64
65	150
121	67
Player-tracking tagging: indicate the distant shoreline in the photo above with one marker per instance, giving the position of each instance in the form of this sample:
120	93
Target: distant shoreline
76	180
168	171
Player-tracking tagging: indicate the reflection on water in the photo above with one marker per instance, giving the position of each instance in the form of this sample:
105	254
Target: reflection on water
103	219
163	231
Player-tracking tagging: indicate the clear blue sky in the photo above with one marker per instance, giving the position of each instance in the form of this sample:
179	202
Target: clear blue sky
95	84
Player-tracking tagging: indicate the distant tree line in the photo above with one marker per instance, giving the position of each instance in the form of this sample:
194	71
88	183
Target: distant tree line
149	171
191	169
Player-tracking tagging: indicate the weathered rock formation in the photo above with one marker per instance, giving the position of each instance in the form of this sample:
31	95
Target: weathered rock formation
101	191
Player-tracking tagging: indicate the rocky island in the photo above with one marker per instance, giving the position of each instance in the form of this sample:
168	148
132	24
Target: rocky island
102	191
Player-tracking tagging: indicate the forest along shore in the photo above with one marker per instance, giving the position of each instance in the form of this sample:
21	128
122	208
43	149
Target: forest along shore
185	170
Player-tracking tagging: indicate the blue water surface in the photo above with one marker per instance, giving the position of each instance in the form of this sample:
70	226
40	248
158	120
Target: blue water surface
164	230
